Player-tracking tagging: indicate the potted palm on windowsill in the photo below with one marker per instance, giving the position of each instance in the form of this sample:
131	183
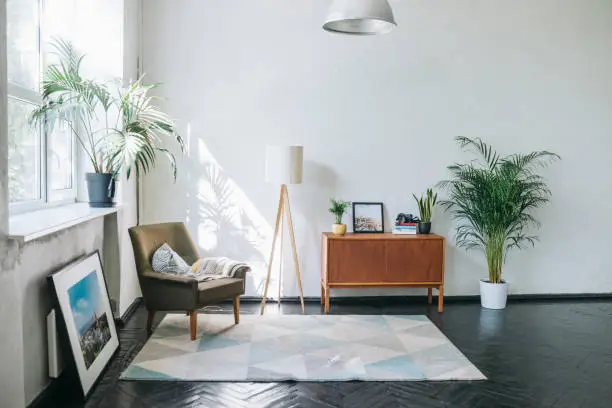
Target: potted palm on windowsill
117	129
338	208
491	199
426	207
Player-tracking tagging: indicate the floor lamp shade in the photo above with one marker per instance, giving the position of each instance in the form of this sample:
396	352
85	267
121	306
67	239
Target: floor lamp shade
360	17
284	164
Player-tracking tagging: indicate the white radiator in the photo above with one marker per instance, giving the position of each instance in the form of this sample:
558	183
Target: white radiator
56	360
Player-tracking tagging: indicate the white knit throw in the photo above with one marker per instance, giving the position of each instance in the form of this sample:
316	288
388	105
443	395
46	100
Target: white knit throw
217	268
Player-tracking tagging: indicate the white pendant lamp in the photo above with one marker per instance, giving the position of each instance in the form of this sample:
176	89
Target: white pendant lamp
360	17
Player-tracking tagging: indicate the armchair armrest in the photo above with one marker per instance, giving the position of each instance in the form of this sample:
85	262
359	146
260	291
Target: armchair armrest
241	273
168	292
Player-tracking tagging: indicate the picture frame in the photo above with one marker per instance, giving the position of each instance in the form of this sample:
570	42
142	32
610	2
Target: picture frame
368	218
82	299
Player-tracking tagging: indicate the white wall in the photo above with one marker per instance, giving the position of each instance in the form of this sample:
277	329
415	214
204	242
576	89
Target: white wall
129	286
377	117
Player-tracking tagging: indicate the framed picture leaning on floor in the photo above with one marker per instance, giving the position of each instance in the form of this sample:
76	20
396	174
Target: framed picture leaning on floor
82	299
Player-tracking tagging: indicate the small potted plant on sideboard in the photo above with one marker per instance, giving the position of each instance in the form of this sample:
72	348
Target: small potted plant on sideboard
426	206
492	199
338	208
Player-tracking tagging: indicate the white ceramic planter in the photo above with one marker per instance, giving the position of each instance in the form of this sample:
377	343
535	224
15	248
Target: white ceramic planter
493	295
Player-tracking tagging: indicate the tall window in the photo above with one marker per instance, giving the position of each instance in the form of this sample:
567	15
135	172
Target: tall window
41	166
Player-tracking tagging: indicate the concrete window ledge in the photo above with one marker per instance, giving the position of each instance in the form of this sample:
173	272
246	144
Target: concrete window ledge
37	224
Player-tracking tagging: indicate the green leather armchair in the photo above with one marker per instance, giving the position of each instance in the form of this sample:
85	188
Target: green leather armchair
171	293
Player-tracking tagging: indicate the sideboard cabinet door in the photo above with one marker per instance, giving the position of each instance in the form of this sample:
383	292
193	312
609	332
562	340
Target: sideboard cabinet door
414	261
356	261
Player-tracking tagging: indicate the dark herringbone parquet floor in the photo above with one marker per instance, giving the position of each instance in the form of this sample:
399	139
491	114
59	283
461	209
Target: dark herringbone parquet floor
535	354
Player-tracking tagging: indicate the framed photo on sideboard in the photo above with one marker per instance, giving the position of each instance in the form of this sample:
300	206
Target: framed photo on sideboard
368	218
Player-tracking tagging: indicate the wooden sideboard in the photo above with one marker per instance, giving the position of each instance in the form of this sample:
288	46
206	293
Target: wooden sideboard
383	261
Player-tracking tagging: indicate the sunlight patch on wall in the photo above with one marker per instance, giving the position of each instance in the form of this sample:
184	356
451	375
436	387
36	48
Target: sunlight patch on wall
228	223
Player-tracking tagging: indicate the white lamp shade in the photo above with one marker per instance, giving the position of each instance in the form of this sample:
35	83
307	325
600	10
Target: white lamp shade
284	164
360	17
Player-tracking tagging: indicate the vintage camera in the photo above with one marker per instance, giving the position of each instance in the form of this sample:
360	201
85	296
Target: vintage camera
406	218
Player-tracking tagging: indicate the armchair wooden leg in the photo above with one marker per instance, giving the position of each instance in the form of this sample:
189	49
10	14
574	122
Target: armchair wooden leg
193	323
150	318
237	309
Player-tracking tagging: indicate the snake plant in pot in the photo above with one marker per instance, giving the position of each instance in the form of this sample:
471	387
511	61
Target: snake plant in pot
426	207
338	208
118	129
492	199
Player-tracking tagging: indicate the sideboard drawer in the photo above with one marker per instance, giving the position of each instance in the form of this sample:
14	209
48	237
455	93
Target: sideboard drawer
414	261
355	261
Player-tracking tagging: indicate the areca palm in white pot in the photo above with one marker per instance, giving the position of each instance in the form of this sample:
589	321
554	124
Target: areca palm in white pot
119	129
492	199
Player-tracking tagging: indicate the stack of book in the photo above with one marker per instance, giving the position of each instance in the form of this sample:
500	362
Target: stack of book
405	228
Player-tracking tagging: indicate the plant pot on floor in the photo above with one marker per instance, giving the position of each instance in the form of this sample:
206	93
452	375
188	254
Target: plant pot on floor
424	227
339	229
493	295
100	189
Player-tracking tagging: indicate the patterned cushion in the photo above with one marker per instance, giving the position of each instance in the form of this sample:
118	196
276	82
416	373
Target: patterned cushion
165	260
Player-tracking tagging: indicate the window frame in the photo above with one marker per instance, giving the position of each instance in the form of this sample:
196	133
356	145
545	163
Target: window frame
47	196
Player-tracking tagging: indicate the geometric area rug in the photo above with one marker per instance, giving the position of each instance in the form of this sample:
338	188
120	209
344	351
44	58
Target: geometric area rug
300	348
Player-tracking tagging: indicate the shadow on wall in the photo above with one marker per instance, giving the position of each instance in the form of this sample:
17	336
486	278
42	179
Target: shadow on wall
222	218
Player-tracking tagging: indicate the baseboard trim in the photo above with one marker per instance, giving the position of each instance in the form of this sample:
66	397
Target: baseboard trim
447	299
46	395
121	321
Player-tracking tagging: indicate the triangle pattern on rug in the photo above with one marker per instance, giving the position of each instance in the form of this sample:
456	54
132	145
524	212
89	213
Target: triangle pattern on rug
292	367
181	343
301	348
402	365
215	341
268	331
399	323
155	350
135	372
238	354
345	332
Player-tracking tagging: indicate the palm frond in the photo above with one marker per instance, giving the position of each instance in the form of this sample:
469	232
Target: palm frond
71	99
477	145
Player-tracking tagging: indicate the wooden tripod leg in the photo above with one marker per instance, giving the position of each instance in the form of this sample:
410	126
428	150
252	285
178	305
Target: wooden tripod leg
278	217
280	268
295	256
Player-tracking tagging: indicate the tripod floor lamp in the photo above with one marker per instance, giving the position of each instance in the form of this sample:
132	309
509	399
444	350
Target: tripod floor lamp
283	166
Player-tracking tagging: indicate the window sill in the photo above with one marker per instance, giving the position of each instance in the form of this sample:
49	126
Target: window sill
37	224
